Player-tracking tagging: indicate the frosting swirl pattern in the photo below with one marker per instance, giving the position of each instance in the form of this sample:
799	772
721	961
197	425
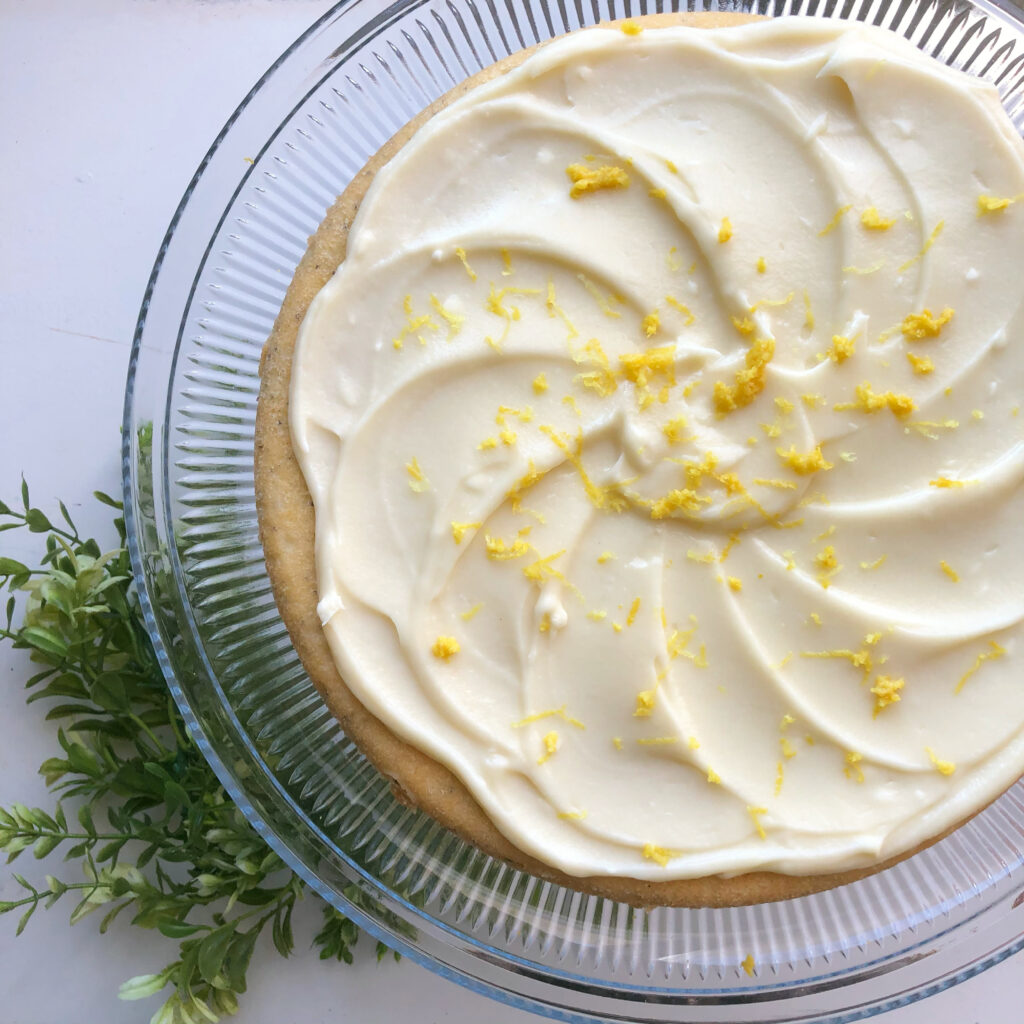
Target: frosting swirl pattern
662	428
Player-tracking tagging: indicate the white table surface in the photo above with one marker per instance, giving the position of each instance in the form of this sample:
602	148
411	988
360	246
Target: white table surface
106	108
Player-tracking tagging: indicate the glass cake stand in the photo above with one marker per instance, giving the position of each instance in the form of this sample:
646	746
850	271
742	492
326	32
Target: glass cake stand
329	102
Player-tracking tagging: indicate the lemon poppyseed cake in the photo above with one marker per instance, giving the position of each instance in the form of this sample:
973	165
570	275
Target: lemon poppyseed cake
639	465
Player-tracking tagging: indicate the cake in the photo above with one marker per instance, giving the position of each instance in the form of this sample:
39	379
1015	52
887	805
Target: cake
639	461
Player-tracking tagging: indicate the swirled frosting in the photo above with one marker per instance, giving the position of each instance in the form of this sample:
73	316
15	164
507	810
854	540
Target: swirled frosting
662	429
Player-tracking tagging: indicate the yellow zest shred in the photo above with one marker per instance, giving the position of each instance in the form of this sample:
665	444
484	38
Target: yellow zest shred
650	324
555	310
868	400
657	853
674	430
842	348
657	741
875	564
994	204
572	815
943	767
444	647
995	651
949	571
918	326
865	271
592	179
418	481
453	320
645	701
834	222
747	963
602	300
461	254
874	221
617	742
600	379
788	750
735	583
495	305
936	231
724	231
750	381
605	556
500	551
755	814
656	193
782	485
921	364
947	482
597	615
779	776
680	500
804	464
550	741
714	778
540	383
815	617
693	743
459	530
887	691
641	367
808	312
414	325
858	659
762	303
539	716
630	28
681	307
852	769
762	267
542	569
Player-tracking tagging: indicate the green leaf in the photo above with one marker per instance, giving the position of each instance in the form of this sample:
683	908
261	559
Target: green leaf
25	918
106	499
178	929
4	509
11	567
236	963
45	846
44	639
212	951
24	493
37	522
142	986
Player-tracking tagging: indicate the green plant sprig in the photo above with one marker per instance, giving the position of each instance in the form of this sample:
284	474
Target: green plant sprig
173	851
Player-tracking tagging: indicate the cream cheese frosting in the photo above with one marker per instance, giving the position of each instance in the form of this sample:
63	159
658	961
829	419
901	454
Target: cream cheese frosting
662	426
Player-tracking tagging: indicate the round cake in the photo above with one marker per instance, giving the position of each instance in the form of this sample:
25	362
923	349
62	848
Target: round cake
639	463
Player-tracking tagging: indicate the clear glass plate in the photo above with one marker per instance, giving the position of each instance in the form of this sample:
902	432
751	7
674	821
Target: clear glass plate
323	108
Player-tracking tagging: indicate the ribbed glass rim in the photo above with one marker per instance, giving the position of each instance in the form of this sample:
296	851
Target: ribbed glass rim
475	964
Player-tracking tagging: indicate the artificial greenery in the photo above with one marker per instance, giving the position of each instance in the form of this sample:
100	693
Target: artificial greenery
153	831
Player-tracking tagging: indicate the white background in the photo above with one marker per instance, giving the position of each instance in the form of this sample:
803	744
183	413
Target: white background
106	108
